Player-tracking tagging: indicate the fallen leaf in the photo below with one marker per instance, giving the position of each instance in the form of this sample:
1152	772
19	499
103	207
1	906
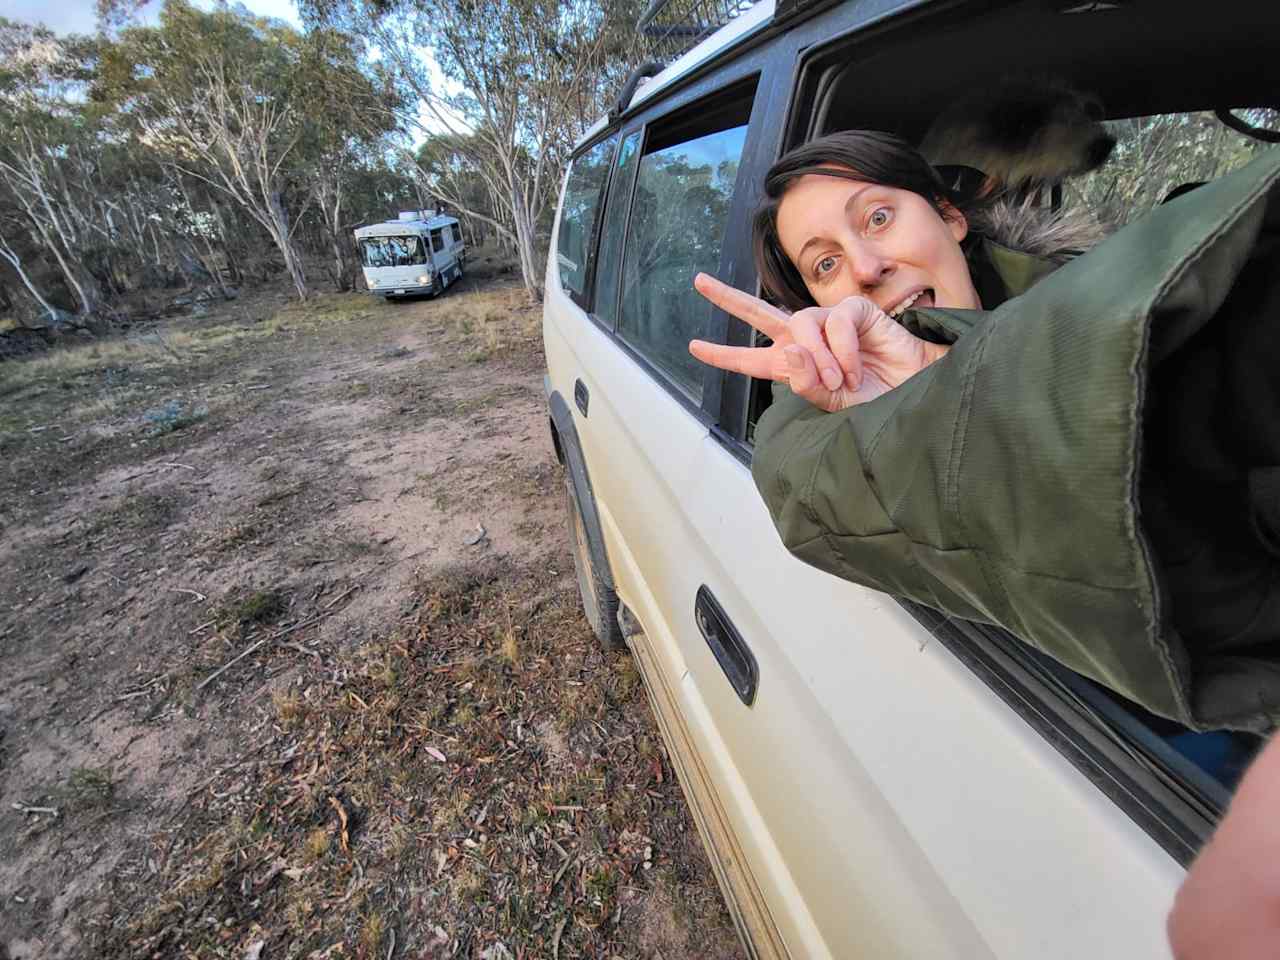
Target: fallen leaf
342	815
254	950
436	754
476	537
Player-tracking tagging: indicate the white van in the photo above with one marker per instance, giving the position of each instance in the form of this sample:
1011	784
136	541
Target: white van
421	252
871	778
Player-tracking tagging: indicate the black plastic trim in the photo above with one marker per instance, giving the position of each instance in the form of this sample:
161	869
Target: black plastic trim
650	68
624	134
567	432
726	643
592	242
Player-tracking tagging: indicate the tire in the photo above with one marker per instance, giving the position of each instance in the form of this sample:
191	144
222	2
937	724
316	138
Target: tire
599	601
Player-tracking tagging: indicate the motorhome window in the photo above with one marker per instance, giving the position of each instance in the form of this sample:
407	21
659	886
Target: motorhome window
437	241
457	232
578	211
682	198
403	251
611	231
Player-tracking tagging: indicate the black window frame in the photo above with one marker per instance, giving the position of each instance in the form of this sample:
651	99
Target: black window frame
681	125
625	133
590	243
680	104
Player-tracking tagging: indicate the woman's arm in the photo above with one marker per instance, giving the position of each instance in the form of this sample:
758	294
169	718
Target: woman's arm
1229	905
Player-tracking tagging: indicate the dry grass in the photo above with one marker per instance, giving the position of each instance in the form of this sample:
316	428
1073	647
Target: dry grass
483	775
493	323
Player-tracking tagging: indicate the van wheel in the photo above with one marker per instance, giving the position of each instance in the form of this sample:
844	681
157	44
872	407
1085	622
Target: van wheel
599	601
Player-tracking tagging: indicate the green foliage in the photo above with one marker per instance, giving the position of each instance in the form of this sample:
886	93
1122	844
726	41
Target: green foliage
1154	155
167	155
507	87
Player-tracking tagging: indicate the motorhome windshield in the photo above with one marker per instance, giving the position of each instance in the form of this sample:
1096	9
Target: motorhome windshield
404	251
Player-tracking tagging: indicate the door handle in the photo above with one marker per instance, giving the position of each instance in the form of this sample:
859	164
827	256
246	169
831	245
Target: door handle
730	650
580	396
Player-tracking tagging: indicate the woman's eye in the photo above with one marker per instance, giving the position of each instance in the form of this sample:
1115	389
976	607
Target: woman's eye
824	266
880	217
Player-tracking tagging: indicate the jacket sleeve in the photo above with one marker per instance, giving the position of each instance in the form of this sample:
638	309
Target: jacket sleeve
995	485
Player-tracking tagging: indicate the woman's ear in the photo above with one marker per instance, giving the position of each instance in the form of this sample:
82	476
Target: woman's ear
956	220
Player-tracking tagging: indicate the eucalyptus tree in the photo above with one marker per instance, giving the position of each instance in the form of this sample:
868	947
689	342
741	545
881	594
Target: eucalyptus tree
248	107
513	82
45	136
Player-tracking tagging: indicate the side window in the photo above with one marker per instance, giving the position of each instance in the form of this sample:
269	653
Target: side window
437	242
1160	156
578	213
615	222
457	232
682	199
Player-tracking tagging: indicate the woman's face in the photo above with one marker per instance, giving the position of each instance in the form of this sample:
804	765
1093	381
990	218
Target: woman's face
851	238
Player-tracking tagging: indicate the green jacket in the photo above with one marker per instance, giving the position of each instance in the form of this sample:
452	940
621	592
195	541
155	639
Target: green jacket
1094	466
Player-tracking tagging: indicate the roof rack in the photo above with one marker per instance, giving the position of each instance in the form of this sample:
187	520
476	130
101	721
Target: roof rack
674	27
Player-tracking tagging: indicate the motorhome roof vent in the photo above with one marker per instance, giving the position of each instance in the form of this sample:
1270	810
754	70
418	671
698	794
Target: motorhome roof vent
417	214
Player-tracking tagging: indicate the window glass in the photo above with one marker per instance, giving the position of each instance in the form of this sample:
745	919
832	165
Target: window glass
1156	155
437	241
392	251
615	222
457	233
578	215
682	198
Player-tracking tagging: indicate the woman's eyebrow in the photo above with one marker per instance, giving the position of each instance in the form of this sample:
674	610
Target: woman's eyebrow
848	208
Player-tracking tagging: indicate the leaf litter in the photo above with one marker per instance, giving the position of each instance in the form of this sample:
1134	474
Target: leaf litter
352	832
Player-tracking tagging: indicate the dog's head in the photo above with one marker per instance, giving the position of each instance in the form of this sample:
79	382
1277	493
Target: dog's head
1021	133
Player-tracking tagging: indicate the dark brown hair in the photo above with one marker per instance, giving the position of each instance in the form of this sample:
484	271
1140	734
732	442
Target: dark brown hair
865	155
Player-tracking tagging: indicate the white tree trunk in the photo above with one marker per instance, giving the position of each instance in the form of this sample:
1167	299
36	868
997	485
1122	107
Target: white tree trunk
284	241
15	261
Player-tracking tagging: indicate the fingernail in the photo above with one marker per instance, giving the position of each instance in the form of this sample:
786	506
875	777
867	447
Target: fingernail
794	358
831	378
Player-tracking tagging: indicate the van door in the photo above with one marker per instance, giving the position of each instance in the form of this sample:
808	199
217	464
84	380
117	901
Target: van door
439	258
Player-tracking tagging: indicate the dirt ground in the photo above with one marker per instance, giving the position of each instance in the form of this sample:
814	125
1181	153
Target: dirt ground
292	658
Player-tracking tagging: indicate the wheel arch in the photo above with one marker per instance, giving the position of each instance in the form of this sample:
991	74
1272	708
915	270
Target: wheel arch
564	436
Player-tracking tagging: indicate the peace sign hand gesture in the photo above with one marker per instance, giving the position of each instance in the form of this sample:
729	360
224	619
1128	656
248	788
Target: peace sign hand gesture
834	357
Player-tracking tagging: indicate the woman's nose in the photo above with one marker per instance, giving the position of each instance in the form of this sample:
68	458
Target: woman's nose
869	270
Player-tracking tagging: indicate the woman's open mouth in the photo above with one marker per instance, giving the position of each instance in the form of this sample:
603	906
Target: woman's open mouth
910	301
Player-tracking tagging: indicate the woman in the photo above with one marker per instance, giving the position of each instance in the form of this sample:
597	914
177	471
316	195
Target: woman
1052	448
905	241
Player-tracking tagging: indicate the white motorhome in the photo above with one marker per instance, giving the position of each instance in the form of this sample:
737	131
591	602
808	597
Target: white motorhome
421	251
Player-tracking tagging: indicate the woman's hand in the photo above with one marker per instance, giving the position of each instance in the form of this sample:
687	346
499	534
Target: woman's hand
834	357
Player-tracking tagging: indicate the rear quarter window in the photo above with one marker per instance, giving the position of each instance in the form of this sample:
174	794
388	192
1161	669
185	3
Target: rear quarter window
578	212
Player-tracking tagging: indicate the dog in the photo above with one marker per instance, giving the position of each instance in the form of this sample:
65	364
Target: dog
1025	135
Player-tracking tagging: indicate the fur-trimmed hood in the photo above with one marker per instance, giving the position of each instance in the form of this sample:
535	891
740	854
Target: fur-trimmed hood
1016	244
1053	235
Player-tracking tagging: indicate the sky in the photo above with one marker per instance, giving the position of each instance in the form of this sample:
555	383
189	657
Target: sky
80	16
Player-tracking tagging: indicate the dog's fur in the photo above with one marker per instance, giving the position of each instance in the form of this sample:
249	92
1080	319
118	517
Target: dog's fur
1024	135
